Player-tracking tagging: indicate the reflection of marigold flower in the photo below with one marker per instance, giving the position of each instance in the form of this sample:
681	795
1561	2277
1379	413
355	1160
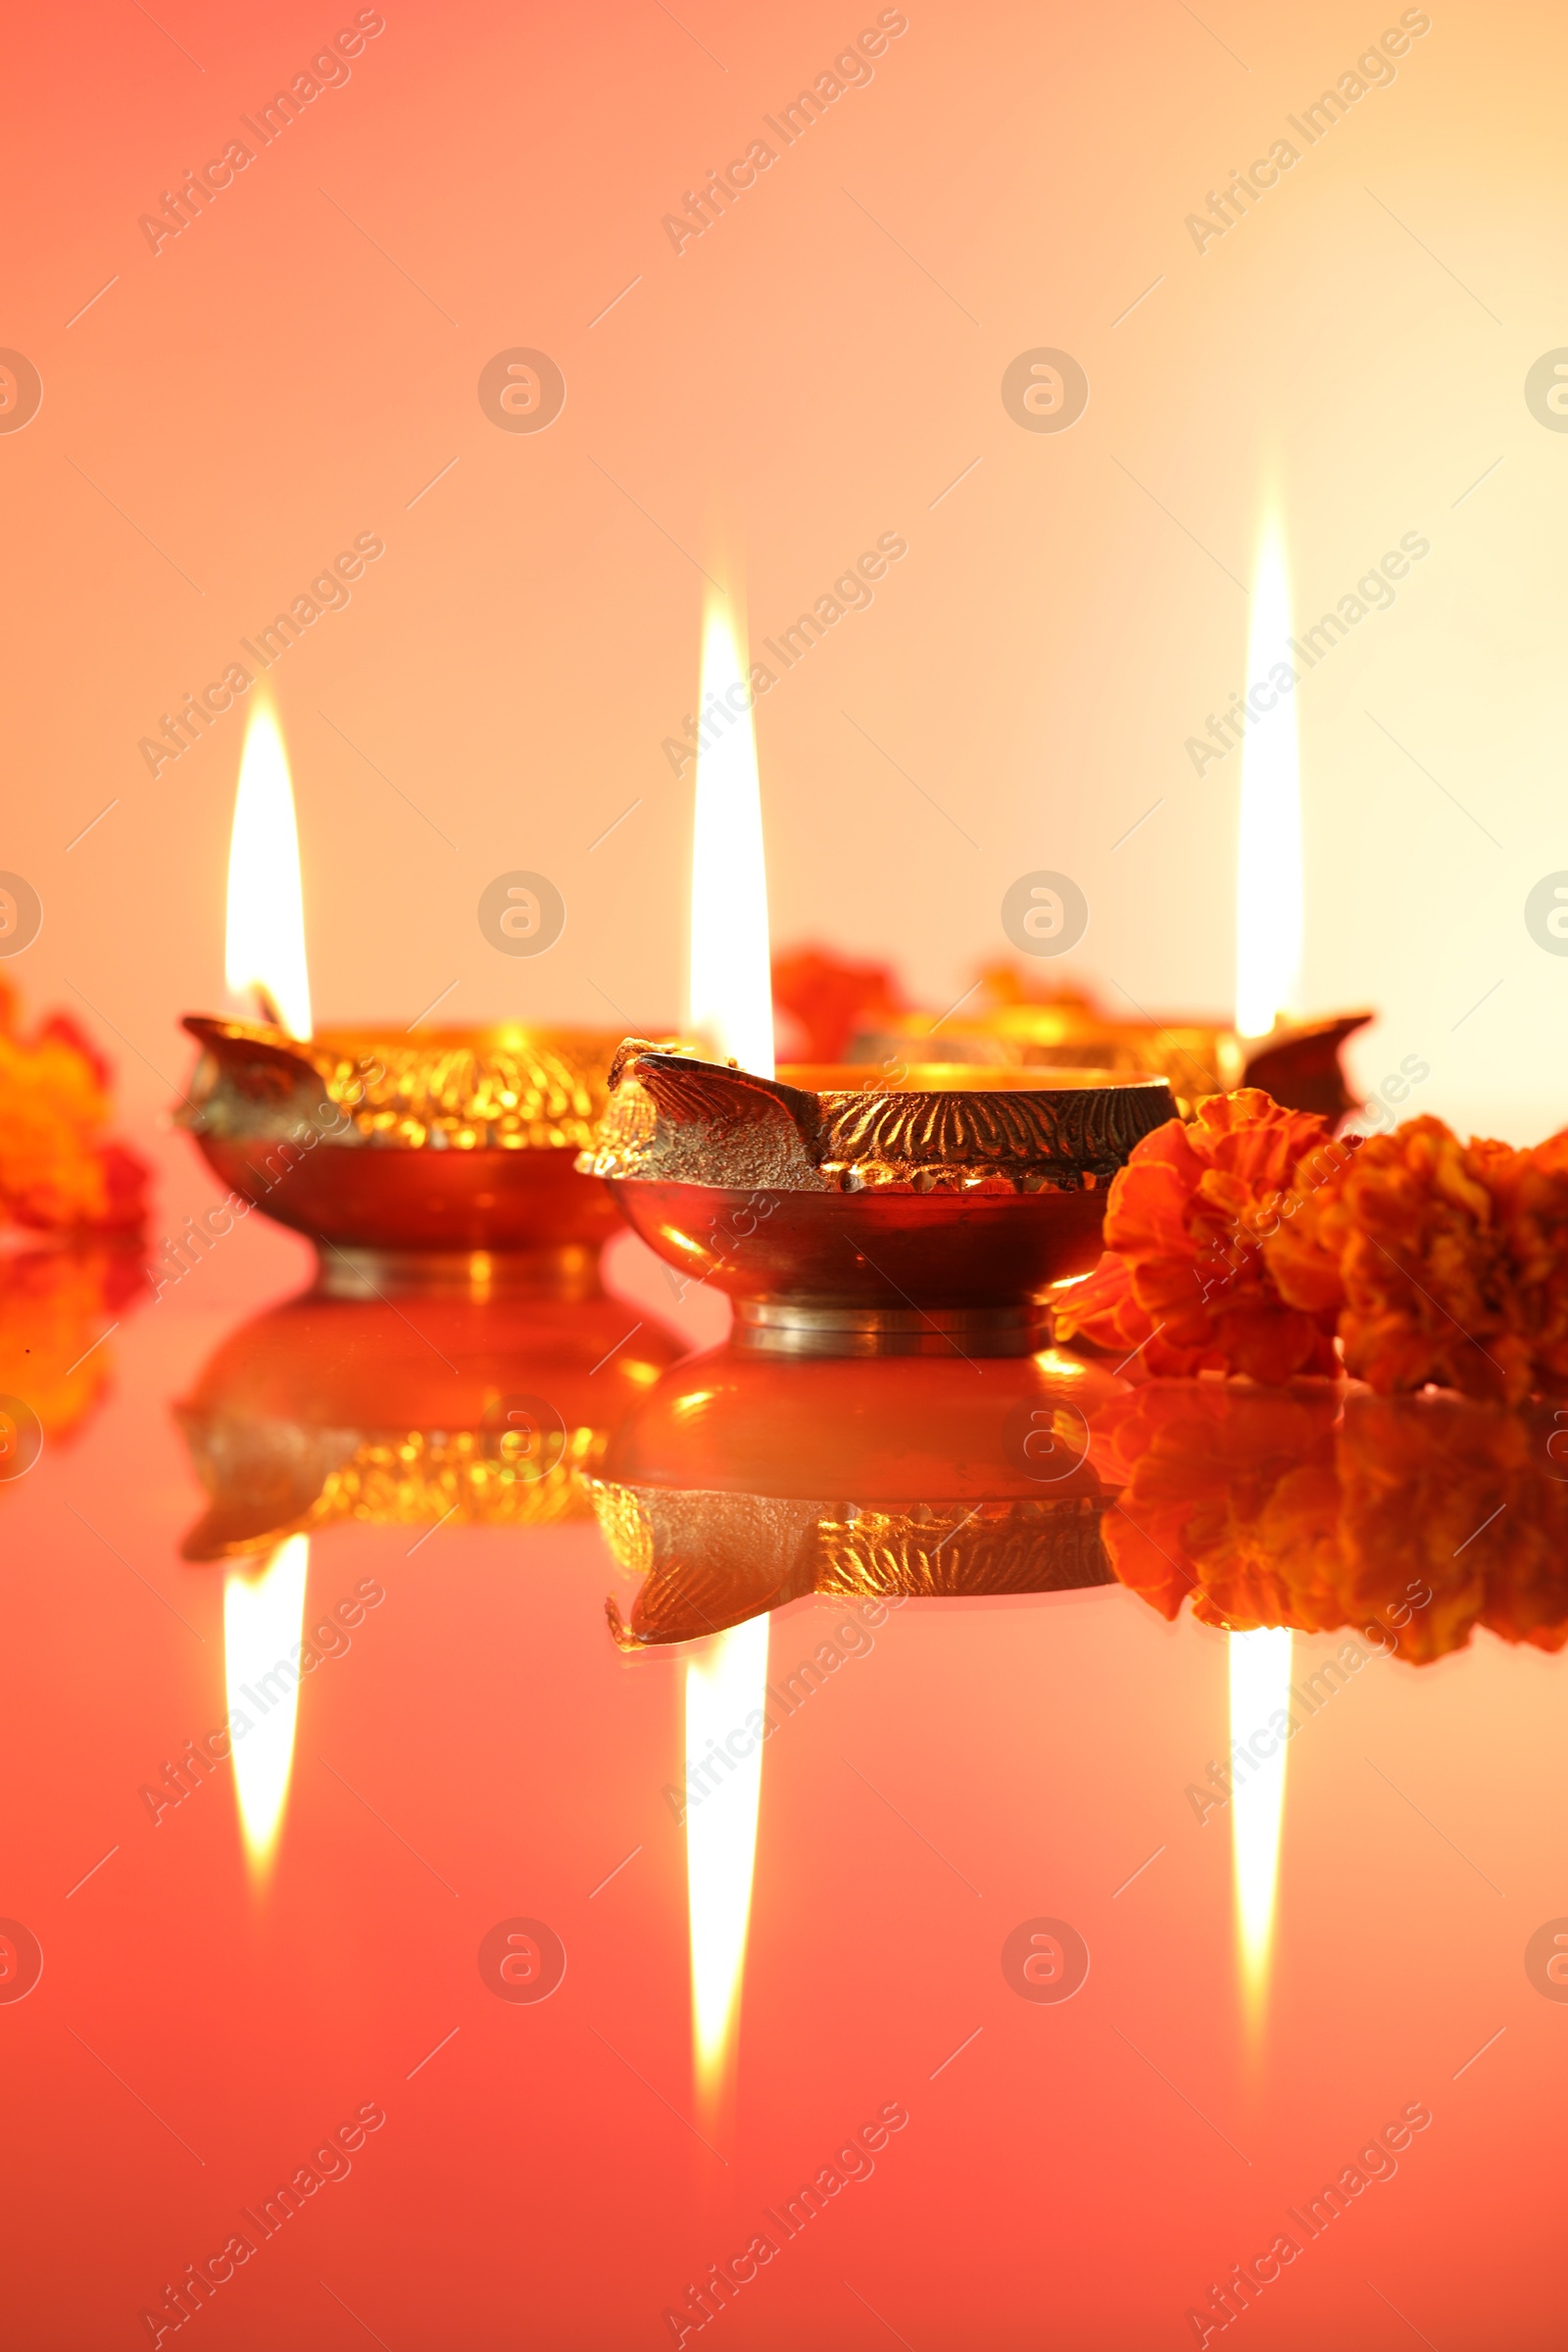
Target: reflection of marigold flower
54	1304
1184	1279
1409	1521
1225	1496
1409	1245
1458	1497
57	1171
1228	1497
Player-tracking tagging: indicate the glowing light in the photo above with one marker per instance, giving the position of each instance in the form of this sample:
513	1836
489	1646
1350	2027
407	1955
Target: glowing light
264	1627
265	947
731	989
721	1690
1269	916
1260	1684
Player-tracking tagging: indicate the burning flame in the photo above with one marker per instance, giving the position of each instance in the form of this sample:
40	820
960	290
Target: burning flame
1269	868
731	991
264	947
724	1693
263	1626
1260	1684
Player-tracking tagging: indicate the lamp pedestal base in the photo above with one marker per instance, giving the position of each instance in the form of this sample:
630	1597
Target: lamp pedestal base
569	1272
775	1327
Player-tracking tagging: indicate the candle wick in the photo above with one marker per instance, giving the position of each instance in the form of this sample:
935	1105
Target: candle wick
266	1005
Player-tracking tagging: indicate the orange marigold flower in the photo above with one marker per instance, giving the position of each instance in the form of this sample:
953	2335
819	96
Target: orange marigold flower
1411	1242
1535	1204
1185	1280
832	1000
58	1173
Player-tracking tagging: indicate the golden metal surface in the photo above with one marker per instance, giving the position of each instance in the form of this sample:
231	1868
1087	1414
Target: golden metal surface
781	1327
420	1479
675	1118
707	1560
567	1271
458	1144
510	1088
850	1215
325	1411
1297	1062
413	1478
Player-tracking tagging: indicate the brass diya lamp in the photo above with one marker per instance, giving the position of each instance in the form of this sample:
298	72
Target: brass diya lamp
443	1158
742	1481
446	1158
1297	1062
329	1411
843	1216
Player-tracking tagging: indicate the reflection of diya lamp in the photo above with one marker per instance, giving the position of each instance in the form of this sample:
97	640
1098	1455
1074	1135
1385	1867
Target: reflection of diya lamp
848	1219
327	1410
443	1155
740	1484
1296	1062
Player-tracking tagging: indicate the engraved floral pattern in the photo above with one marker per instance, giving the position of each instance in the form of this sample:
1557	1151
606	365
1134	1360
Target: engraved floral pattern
729	1127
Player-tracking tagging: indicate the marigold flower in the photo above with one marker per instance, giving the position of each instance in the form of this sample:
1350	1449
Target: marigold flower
1409	1243
58	1173
1535	1204
1185	1280
832	1000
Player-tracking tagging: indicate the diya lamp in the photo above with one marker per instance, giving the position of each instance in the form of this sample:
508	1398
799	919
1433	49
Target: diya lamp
1296	1062
920	1213
926	1216
1268	1044
442	1159
327	1412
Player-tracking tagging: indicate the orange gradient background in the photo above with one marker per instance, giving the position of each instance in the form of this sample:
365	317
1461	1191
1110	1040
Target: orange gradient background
822	367
799	380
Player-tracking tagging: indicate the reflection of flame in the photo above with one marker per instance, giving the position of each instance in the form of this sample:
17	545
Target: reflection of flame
263	1626
264	949
1268	875
1260	1684
731	992
724	1695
